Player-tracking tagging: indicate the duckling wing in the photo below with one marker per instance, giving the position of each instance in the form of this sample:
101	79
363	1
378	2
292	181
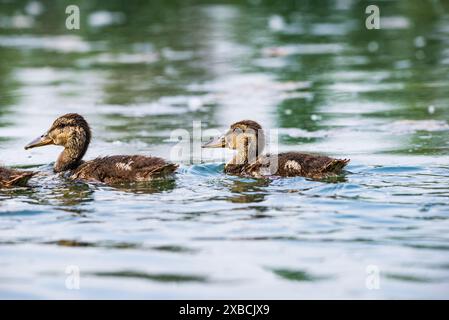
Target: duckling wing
116	169
9	177
308	165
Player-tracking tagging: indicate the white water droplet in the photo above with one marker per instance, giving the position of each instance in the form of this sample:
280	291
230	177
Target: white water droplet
34	8
276	23
195	104
419	42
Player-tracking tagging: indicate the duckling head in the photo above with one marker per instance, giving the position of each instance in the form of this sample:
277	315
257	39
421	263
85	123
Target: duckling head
70	131
245	136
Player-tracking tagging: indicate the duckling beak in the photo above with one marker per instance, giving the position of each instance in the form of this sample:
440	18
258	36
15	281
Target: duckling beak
41	141
215	143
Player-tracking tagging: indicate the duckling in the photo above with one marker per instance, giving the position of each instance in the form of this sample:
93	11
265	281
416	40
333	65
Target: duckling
11	177
73	133
248	139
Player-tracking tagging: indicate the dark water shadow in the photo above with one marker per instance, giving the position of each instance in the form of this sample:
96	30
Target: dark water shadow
297	275
247	190
158	277
403	277
169	248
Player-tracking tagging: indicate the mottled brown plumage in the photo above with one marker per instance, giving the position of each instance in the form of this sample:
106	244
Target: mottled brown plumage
12	177
116	169
289	164
247	138
73	132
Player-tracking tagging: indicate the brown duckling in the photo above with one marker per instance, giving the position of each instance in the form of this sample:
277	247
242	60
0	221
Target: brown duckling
12	177
248	139
73	133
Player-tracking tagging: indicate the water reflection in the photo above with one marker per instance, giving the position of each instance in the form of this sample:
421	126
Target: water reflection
150	187
248	191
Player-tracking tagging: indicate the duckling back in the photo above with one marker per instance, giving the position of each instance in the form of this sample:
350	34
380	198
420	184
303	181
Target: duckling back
10	177
307	165
290	164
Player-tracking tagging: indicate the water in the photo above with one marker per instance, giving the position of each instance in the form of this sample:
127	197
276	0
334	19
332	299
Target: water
310	70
